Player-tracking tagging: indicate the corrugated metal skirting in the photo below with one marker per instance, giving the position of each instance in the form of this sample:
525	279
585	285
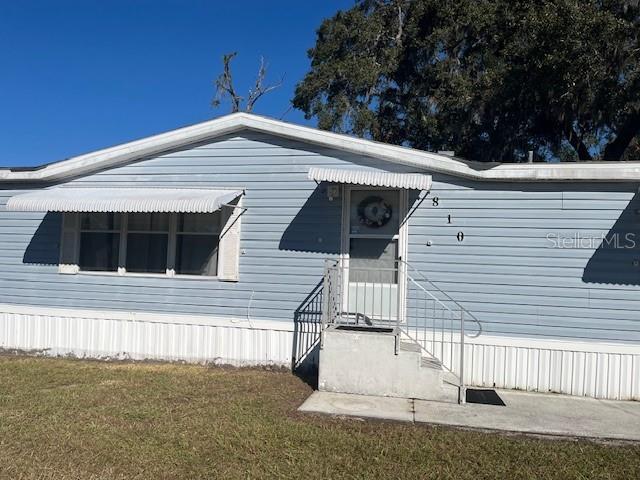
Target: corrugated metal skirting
606	375
140	340
614	376
582	373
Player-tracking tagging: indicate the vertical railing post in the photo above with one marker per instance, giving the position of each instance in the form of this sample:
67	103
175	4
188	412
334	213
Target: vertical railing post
326	302
462	396
341	287
395	278
345	289
397	275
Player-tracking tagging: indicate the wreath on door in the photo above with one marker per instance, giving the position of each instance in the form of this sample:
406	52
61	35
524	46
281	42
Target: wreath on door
374	212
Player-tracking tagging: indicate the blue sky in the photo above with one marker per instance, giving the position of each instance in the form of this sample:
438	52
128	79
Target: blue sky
82	75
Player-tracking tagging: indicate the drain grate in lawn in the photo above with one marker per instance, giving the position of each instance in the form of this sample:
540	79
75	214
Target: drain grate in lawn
67	419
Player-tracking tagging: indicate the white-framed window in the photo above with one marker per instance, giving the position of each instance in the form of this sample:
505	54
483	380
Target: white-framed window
197	239
99	242
147	242
171	244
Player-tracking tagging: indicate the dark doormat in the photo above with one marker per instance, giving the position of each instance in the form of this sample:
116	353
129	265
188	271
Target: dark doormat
485	397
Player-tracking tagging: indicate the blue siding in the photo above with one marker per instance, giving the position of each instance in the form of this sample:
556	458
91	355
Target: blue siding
504	271
287	231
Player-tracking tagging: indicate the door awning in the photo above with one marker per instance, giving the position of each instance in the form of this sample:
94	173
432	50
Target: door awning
372	178
144	200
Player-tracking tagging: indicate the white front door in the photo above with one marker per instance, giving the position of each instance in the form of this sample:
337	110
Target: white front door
373	248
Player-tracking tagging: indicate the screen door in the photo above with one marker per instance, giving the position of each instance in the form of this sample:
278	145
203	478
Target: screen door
372	295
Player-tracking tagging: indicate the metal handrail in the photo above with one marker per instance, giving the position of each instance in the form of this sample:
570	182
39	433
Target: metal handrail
430	282
460	375
338	263
339	300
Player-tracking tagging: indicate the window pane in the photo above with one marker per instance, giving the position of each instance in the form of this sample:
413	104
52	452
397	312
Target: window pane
374	212
147	252
197	255
99	251
149	222
67	254
100	221
199	222
373	260
69	220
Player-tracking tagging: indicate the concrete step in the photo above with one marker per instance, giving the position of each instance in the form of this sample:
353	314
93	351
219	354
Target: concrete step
430	362
425	361
449	378
409	346
365	362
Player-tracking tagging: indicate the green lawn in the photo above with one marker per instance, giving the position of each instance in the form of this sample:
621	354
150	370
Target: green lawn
68	419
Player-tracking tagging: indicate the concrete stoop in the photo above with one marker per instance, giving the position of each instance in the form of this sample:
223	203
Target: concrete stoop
364	362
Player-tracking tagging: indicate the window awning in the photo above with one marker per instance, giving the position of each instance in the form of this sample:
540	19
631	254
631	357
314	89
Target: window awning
144	200
372	178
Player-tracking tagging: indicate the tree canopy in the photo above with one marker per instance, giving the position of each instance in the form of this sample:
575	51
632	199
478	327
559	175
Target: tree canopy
489	79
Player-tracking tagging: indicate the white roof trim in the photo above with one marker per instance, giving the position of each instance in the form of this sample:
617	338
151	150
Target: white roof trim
372	178
420	160
145	200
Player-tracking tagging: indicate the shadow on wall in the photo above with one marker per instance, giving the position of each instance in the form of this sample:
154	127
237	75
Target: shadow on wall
316	227
319	218
307	325
44	246
617	258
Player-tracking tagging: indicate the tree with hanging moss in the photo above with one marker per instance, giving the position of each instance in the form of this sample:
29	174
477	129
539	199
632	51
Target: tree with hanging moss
490	80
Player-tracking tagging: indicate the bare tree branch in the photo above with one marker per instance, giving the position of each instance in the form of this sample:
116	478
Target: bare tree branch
224	86
259	89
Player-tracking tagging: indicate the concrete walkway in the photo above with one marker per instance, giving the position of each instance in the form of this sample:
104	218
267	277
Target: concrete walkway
532	413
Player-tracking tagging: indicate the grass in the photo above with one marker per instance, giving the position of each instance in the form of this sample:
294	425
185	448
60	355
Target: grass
68	419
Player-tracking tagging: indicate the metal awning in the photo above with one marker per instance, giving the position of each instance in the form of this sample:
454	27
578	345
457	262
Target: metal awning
372	178
145	200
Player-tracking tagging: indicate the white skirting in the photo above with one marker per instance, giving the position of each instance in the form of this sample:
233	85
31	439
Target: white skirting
590	369
136	336
574	368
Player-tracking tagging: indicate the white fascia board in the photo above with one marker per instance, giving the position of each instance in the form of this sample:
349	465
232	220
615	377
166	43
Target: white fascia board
420	160
121	154
432	162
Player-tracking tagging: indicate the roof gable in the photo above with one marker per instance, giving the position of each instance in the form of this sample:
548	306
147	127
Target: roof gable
418	159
